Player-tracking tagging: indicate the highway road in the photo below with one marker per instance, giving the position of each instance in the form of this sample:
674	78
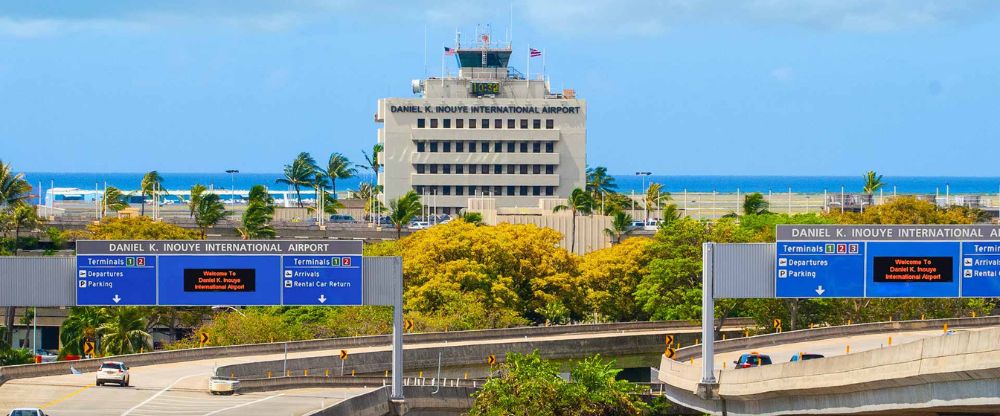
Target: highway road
828	347
182	388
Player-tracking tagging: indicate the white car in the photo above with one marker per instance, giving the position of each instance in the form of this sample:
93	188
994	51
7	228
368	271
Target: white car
419	225
34	411
223	385
115	372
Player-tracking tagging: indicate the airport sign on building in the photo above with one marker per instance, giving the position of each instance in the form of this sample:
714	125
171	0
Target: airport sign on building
887	261
239	272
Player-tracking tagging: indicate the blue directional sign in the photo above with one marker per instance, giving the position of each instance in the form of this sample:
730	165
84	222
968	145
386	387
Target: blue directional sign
981	269
890	261
116	280
322	280
820	269
190	273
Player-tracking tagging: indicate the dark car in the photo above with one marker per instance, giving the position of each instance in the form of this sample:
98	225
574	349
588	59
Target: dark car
753	359
802	356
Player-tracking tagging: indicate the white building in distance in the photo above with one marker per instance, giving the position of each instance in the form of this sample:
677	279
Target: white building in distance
489	132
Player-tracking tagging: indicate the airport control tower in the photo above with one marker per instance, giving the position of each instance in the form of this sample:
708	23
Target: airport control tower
491	131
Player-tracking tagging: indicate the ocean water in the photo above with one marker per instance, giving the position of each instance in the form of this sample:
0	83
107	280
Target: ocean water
626	183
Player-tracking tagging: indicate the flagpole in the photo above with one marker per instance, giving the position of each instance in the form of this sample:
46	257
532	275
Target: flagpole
527	76
543	63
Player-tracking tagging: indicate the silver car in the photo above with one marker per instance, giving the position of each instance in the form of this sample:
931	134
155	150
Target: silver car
115	372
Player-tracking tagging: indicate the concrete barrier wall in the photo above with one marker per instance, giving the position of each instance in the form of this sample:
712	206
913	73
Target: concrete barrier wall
419	401
162	357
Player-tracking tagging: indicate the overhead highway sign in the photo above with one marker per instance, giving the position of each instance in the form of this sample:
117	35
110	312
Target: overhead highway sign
240	272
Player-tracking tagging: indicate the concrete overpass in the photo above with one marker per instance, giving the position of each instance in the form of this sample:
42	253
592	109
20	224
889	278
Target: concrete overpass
175	382
924	371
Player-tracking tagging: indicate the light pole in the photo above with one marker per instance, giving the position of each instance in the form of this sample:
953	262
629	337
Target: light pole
232	184
645	205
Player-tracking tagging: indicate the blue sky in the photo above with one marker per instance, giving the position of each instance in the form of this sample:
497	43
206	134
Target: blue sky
741	87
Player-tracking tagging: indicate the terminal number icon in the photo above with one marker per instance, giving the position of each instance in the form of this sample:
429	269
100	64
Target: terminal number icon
346	261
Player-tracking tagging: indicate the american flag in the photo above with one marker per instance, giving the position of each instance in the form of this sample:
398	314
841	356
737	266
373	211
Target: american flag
448	51
535	52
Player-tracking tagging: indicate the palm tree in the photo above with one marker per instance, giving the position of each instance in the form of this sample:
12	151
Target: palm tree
13	188
369	193
113	199
339	167
197	191
210	211
599	182
23	217
403	210
579	202
755	204
655	197
670	214
124	332
621	224
151	184
373	162
82	325
300	172
873	182
256	220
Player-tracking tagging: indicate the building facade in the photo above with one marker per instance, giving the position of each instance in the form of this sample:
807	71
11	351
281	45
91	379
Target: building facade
489	132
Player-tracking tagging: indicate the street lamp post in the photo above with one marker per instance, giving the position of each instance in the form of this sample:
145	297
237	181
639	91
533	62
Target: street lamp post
644	192
232	184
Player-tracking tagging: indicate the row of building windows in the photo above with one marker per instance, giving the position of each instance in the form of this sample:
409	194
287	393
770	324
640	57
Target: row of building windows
435	146
484	190
485	169
472	123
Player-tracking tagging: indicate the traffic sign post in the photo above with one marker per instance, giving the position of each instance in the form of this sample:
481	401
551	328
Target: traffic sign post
203	338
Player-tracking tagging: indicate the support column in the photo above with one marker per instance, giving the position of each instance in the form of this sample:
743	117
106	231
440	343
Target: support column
708	385
397	341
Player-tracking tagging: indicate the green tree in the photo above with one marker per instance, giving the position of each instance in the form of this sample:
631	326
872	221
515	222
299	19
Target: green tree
113	199
210	211
372	160
529	385
14	189
402	210
81	325
256	220
301	172
151	186
599	183
339	167
755	204
873	182
23	217
621	224
369	193
197	192
579	202
669	214
610	276
124	331
473	218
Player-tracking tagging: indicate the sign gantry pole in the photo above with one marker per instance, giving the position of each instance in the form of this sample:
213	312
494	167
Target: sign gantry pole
397	339
707	321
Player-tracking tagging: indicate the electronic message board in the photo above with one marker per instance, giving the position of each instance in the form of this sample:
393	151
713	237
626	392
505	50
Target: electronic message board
887	261
206	273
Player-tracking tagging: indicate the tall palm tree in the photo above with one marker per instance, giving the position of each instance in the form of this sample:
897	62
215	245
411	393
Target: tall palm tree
599	182
579	202
670	214
113	199
197	192
403	210
82	325
210	211
368	193
621	224
655	197
873	182
339	167
23	217
372	160
301	172
151	184
256	220
124	332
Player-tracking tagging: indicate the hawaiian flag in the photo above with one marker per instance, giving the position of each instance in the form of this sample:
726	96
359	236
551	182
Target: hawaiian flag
535	52
448	51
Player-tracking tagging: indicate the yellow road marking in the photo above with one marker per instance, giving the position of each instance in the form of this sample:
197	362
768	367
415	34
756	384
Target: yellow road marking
64	398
